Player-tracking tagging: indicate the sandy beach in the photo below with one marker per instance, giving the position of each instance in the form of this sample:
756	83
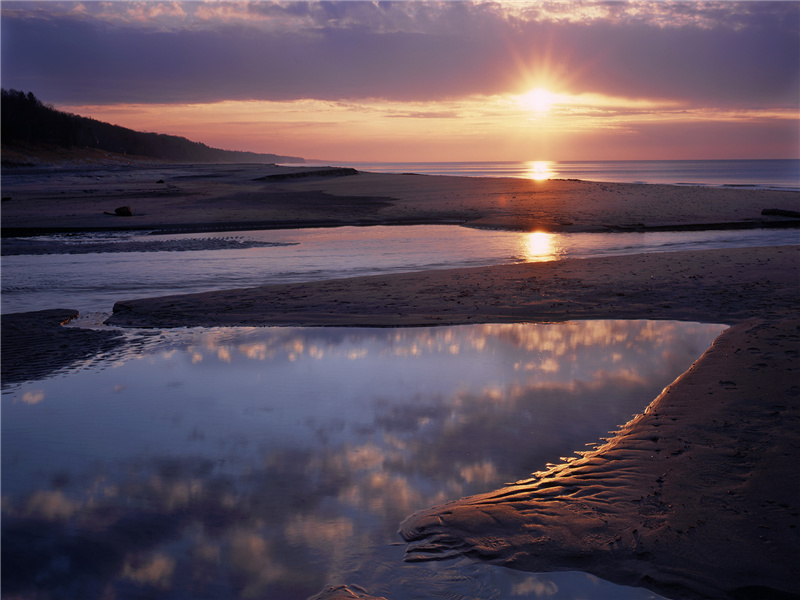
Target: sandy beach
203	197
697	498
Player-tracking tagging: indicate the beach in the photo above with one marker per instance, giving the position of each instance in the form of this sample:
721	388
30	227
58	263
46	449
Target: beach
230	197
696	498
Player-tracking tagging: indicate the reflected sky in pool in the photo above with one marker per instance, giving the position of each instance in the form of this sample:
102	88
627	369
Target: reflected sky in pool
270	462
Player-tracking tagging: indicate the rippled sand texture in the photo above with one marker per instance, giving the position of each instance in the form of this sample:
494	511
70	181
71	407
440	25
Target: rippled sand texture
697	498
35	345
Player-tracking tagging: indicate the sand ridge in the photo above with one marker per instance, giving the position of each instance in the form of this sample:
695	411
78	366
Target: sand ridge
35	345
715	286
699	497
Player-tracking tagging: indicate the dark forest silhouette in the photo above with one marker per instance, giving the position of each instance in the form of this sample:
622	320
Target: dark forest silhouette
28	122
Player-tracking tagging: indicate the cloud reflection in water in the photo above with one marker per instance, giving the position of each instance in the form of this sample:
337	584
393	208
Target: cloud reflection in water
247	462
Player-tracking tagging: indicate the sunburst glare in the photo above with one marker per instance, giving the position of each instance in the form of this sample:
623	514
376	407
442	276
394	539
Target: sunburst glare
538	100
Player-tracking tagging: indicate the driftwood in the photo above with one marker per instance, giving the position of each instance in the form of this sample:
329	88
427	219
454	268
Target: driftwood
122	211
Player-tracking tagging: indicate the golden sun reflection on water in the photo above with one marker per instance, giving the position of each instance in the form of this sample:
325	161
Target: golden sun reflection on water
539	170
539	246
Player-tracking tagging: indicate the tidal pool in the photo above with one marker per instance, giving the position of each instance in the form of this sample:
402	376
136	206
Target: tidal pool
271	462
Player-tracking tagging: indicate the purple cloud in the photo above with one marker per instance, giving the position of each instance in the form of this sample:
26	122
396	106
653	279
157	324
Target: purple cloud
718	55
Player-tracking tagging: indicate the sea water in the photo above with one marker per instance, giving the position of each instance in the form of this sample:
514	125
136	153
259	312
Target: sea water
781	174
272	462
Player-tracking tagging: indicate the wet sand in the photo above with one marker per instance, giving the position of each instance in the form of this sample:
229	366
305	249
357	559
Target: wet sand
35	345
699	497
713	286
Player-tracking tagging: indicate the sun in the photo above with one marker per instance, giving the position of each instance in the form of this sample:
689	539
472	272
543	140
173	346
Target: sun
538	100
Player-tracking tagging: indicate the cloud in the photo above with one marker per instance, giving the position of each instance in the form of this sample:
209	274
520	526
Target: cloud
709	54
157	571
33	396
535	585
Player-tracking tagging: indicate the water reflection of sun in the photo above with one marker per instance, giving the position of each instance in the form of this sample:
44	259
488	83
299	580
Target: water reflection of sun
540	246
539	170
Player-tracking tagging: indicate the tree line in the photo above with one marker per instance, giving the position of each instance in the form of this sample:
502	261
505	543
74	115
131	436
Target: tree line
24	119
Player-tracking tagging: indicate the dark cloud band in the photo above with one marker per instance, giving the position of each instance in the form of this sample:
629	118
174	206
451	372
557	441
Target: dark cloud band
353	50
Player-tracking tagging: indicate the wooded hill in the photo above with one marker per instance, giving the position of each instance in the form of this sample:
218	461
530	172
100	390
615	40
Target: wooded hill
26	121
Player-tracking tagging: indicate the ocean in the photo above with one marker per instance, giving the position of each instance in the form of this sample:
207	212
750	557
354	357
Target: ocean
782	174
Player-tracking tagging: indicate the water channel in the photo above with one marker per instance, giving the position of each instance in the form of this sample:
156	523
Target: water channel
89	272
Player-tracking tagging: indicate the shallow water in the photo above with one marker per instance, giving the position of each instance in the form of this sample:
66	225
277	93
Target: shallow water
92	282
270	462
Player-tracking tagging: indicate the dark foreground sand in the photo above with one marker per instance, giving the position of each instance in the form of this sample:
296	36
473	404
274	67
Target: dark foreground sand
697	498
35	345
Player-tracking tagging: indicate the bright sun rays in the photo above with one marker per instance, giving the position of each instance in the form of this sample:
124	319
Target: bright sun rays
539	100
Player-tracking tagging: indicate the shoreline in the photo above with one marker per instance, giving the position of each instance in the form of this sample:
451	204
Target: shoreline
23	232
192	198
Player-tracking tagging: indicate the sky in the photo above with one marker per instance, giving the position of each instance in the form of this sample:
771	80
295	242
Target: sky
424	81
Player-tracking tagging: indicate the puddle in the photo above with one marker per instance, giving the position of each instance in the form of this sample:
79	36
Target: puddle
271	462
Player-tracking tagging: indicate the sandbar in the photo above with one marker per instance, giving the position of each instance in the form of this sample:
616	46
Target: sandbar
713	286
699	497
35	345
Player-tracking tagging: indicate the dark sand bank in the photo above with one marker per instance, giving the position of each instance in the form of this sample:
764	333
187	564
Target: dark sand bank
236	197
345	592
697	498
715	286
35	345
